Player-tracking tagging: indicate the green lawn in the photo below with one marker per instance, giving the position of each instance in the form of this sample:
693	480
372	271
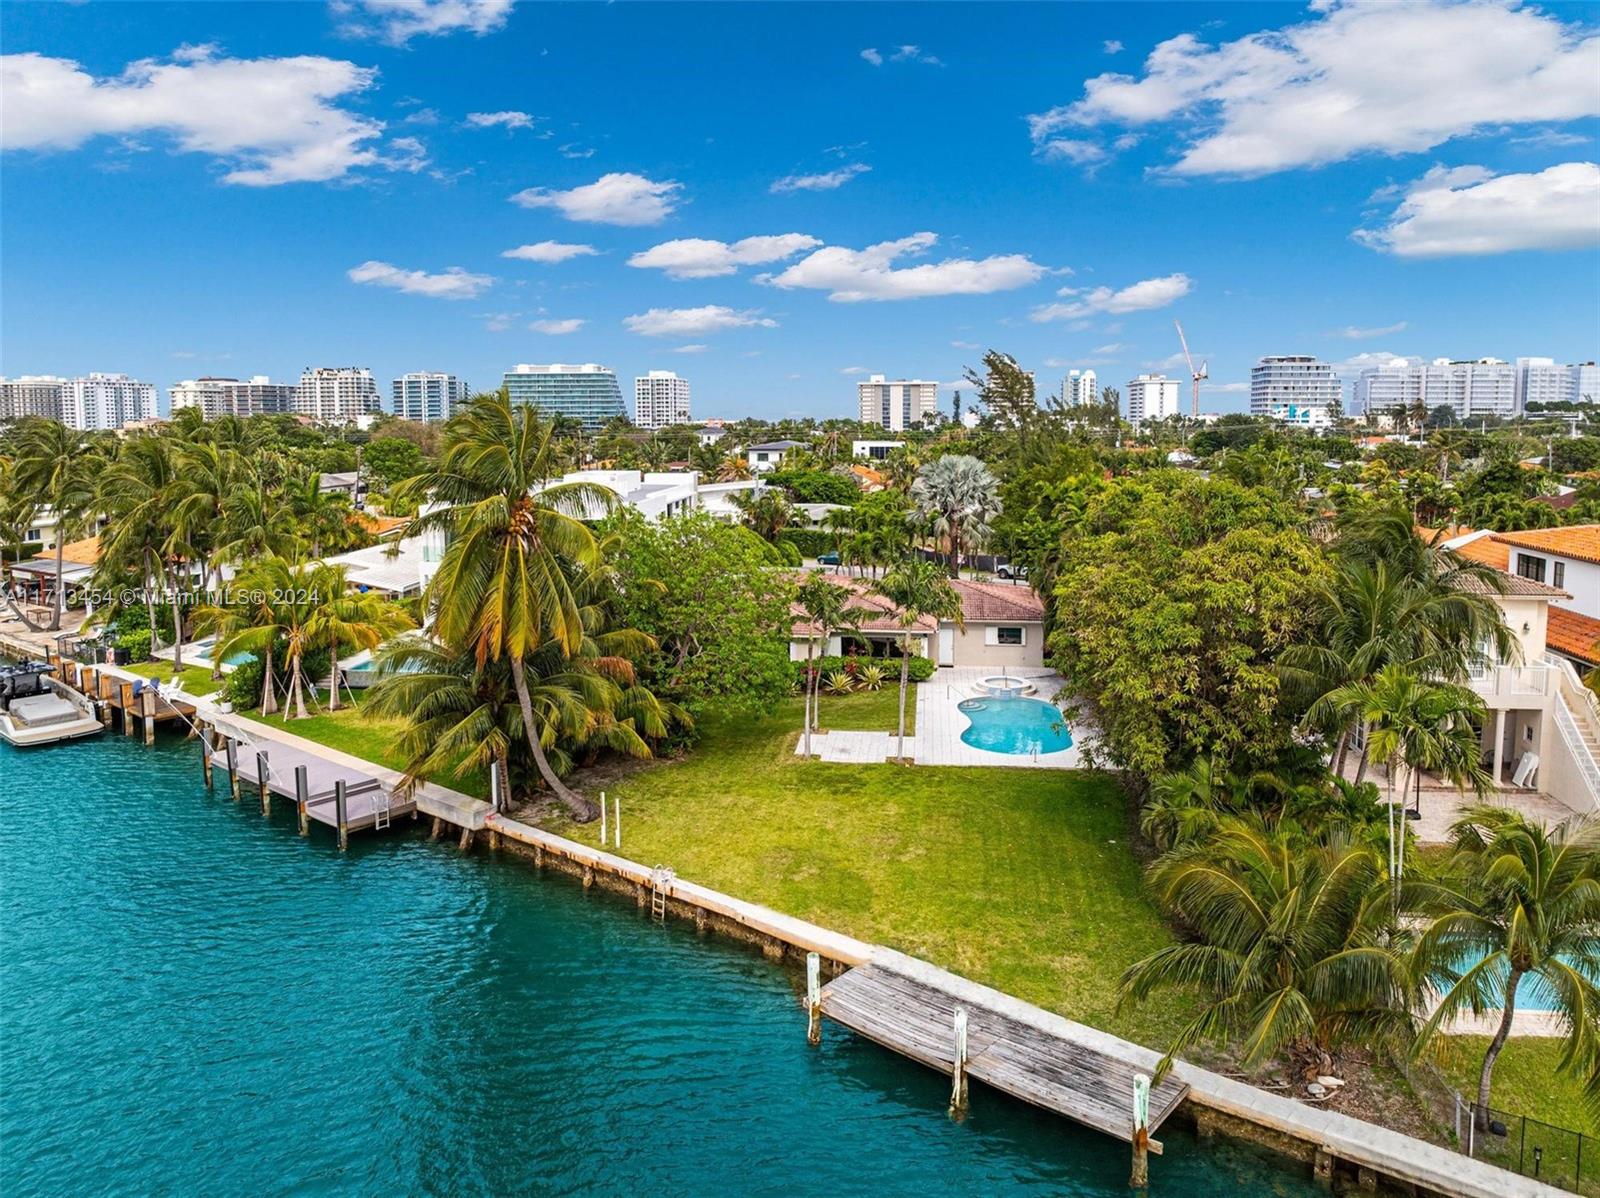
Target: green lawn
196	680
1021	879
1525	1082
867	711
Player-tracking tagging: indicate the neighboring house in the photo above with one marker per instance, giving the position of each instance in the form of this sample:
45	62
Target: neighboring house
874	450
1004	627
659	494
34	580
393	568
769	455
341	482
1565	558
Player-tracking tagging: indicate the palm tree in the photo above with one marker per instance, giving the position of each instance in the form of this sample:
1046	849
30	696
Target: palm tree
1291	954
956	498
828	608
503	586
56	466
257	524
919	591
324	517
1521	901
733	468
766	512
135	491
345	619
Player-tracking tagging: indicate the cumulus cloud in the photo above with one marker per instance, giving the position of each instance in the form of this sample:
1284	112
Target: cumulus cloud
619	198
1468	210
398	21
268	120
1112	46
557	328
850	276
1136	297
692	322
872	56
501	120
701	258
549	251
452	284
827	181
1352	79
1355	333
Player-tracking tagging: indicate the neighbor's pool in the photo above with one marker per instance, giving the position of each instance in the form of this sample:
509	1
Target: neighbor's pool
202	649
1020	726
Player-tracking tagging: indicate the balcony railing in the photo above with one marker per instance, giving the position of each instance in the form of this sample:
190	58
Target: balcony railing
1520	681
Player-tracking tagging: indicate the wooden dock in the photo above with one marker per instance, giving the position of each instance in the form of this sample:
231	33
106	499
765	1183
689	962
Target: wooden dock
915	1018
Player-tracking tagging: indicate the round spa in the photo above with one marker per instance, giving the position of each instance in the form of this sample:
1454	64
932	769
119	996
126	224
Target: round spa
1002	687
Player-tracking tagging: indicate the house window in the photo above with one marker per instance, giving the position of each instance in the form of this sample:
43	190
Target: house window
1558	574
1530	567
1008	636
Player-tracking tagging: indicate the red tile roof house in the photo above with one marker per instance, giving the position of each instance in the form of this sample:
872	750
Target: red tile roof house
1004	627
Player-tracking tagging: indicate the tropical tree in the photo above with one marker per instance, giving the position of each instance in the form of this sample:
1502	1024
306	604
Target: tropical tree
135	492
765	511
57	465
1521	902
956	499
1291	955
733	468
828	608
920	593
345	620
503	587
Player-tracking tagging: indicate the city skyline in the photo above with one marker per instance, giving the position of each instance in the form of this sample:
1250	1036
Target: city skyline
466	187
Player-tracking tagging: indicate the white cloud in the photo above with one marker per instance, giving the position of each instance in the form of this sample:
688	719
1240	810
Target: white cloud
827	181
619	198
505	120
1352	79
855	370
422	116
1136	297
453	284
1112	47
690	349
557	328
1467	211
1355	333
398	21
549	251
573	150
965	345
869	274
268	120
499	322
872	56
690	322
914	54
1074	150
701	258
1225	388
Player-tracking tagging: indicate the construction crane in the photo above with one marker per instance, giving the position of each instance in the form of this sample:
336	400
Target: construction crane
1194	375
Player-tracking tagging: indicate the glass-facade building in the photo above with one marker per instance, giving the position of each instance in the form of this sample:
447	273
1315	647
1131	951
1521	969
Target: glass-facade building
428	397
587	393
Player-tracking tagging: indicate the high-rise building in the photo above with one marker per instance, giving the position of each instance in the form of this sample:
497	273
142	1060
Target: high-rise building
1293	383
1396	384
106	401
1152	397
30	395
428	397
1079	389
587	393
898	404
257	396
660	398
1546	381
337	394
1487	387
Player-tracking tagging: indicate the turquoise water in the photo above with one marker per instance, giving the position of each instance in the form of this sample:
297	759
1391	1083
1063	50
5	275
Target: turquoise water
198	1002
202	649
1015	726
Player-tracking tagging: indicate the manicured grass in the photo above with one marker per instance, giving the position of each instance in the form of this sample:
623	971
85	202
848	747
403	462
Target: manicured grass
868	711
1021	879
196	680
1525	1082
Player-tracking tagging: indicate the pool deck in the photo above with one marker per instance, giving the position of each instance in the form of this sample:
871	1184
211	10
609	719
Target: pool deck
940	724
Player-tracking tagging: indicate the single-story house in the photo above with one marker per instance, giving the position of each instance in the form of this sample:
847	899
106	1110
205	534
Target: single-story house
1002	626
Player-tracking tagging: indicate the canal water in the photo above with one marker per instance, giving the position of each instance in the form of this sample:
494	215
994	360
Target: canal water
195	1001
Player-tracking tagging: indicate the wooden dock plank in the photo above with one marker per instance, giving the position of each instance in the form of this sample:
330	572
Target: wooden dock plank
915	1019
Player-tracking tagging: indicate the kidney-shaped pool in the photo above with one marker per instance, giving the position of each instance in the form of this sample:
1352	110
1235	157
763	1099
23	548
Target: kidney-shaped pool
1018	726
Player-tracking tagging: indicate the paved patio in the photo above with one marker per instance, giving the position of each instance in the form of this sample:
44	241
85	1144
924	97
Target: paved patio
939	727
1441	804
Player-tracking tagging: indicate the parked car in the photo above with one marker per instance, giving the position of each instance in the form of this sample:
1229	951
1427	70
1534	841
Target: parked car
827	559
1007	570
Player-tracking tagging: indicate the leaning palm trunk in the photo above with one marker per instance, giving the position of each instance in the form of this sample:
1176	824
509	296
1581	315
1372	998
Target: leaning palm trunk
582	809
269	693
905	679
810	645
177	631
61	590
294	702
1486	1074
152	574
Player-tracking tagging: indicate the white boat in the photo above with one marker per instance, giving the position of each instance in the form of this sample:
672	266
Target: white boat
35	709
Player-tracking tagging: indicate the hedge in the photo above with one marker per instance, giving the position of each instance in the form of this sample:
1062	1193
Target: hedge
811	542
921	667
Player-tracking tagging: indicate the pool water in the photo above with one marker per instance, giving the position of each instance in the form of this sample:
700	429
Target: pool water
1018	726
202	649
199	1002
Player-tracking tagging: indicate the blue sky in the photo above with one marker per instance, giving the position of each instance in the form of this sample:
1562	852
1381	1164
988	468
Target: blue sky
245	189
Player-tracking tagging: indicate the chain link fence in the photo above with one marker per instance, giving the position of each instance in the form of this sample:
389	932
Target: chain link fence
1557	1156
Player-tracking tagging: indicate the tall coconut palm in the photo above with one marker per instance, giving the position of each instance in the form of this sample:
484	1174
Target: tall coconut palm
828	609
257	523
956	498
1291	955
135	491
503	586
56	466
344	620
1521	901
920	592
323	516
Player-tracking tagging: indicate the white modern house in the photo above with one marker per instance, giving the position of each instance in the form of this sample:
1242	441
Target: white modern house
658	495
874	451
769	455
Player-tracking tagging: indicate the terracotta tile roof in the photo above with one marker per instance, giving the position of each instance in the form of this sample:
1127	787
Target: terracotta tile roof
981	603
1491	551
1581	542
882	615
1574	634
81	553
1511	586
380	525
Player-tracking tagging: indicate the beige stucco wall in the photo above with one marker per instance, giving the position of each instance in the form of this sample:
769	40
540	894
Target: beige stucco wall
1535	613
970	649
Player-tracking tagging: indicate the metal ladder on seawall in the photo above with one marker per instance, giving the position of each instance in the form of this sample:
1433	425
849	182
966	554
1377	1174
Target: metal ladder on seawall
380	810
661	879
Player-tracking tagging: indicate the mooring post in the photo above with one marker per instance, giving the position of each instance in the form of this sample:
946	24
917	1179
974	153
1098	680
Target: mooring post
205	757
127	709
341	813
233	767
466	839
148	705
602	819
302	793
262	775
103	686
958	1077
1140	1177
494	786
616	822
813	998
437	830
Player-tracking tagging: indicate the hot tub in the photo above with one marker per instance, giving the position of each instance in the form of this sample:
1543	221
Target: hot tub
1004	687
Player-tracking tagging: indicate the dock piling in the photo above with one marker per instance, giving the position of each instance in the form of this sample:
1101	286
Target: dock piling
233	766
104	690
262	776
206	750
602	819
127	708
813	998
958	1078
302	791
147	706
341	812
1140	1177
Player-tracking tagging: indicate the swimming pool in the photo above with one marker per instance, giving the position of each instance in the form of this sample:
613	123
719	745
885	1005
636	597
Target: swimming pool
201	649
1018	726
